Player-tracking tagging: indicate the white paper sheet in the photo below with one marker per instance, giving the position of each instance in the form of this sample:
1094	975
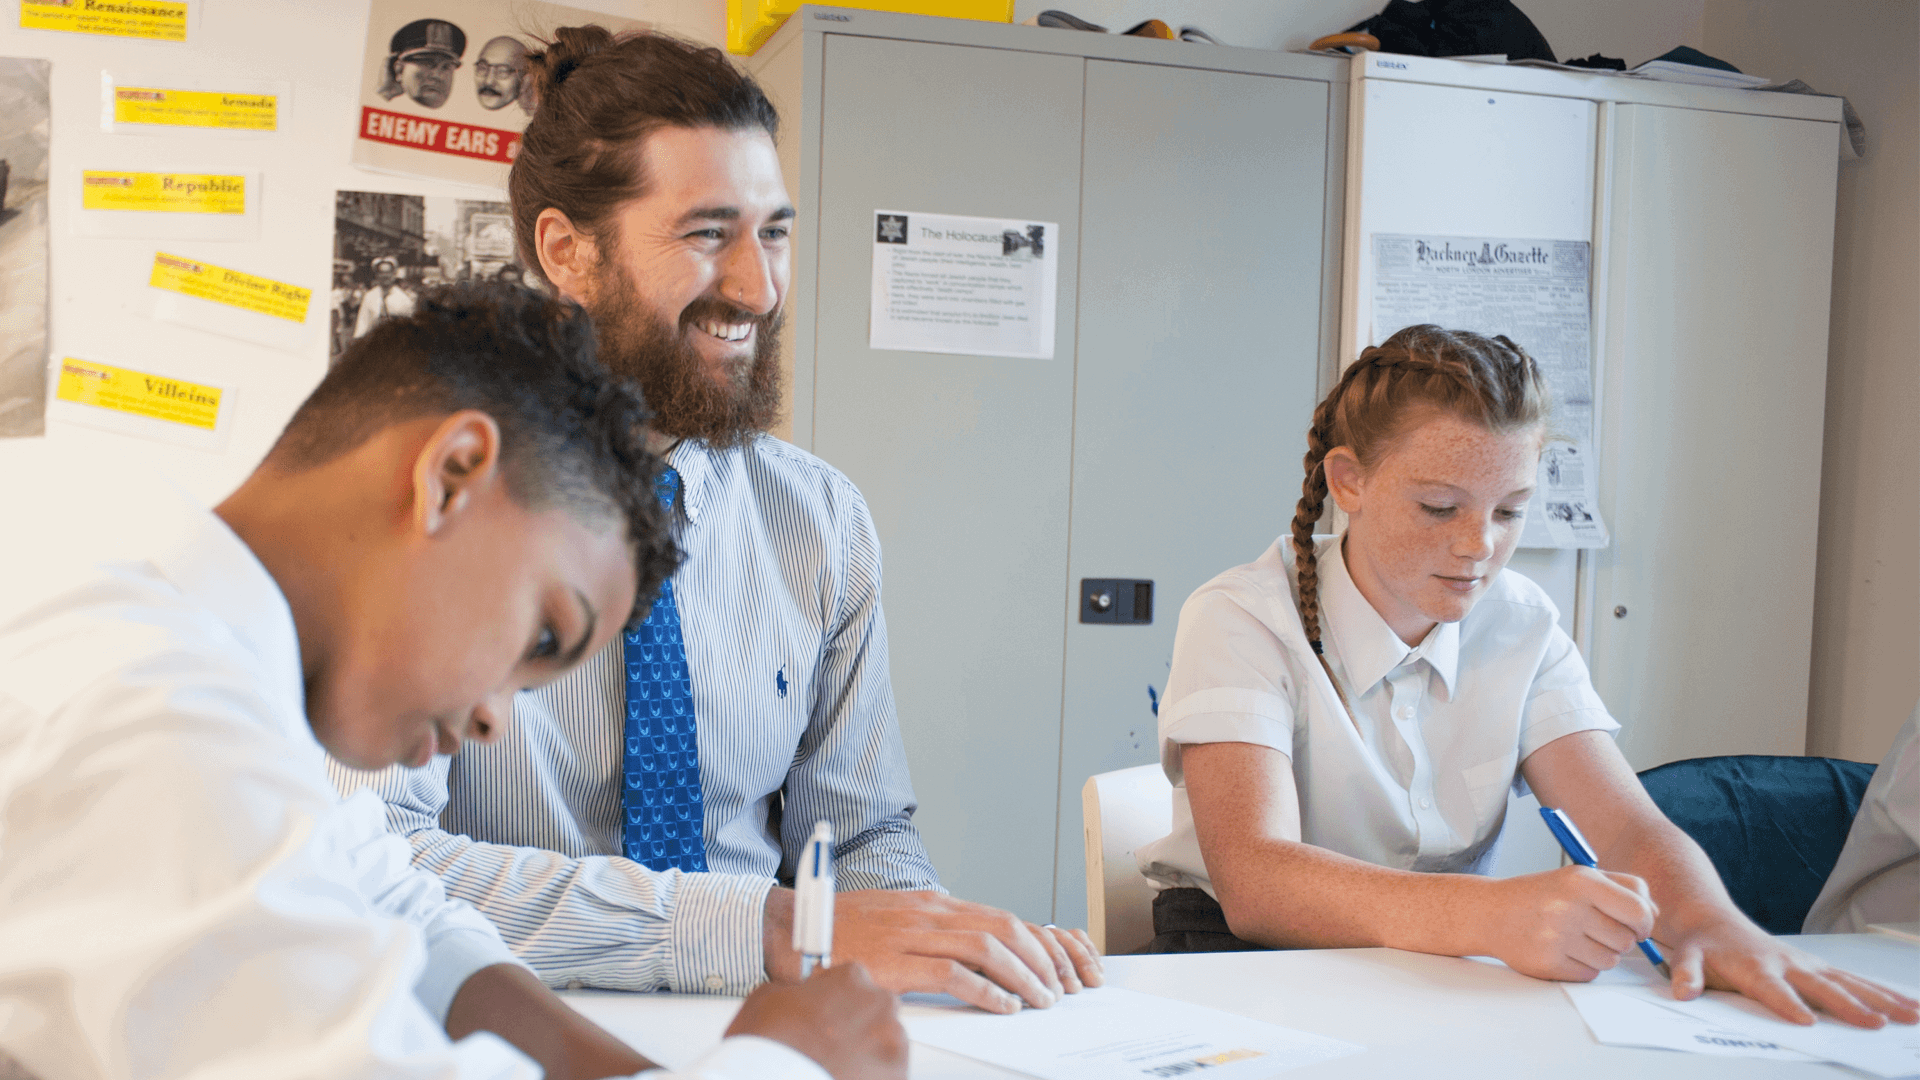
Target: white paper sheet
1892	1051
1618	1020
1107	1033
1535	292
969	285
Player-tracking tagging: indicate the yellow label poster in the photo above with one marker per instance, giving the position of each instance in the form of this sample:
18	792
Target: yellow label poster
176	193
149	20
190	277
137	393
195	108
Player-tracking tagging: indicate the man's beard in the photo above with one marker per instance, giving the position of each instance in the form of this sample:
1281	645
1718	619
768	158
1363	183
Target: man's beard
685	399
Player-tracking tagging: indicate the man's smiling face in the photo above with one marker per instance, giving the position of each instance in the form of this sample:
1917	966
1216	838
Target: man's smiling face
692	278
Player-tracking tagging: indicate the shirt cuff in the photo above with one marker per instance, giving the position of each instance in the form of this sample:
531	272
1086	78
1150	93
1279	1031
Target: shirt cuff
747	1057
717	933
452	958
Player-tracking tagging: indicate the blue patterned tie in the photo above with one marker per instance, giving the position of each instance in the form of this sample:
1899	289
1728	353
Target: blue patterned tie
661	788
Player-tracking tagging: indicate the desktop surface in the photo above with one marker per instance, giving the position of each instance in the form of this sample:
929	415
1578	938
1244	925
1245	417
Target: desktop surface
1430	1016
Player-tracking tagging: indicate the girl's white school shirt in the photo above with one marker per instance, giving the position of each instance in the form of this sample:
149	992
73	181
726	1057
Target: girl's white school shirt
1418	777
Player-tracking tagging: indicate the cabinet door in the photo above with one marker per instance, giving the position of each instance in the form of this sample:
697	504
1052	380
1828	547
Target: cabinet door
1715	388
1202	255
963	459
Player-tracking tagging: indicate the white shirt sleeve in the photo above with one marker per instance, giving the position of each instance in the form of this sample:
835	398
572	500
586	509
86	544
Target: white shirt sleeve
180	892
1562	699
1231	680
747	1057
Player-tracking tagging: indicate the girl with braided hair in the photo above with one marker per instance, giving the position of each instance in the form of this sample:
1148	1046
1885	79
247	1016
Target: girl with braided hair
1346	716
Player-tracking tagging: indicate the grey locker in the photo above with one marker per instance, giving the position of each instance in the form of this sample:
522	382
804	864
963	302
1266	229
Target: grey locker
1197	190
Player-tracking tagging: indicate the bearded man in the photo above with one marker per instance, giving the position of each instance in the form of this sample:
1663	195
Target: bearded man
630	831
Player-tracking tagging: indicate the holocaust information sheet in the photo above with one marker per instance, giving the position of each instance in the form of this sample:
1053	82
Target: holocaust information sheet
1537	293
968	285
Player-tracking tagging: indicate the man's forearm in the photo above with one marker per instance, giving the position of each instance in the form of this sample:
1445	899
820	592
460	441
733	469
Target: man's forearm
509	1001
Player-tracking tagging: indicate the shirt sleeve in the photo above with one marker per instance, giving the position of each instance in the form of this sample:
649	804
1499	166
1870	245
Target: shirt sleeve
1230	680
747	1057
1562	699
178	884
601	921
851	766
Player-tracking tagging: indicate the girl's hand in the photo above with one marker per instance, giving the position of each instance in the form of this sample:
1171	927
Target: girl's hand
1734	954
1568	924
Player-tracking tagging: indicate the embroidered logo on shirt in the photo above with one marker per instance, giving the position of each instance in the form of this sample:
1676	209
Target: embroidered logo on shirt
780	680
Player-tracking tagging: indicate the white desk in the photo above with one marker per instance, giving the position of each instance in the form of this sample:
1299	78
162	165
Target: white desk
1417	1015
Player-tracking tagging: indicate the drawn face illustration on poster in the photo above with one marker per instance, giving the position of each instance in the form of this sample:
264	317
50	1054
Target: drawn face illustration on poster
24	128
500	75
446	88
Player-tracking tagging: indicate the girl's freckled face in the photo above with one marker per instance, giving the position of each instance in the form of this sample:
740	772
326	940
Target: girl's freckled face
1435	519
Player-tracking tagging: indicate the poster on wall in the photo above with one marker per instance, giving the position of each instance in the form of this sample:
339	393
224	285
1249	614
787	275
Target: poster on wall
975	286
445	90
23	247
1536	293
389	248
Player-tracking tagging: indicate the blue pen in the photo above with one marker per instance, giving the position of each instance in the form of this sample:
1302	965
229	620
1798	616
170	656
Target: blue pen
1579	851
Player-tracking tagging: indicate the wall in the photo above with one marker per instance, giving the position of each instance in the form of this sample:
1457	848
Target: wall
100	300
1866	661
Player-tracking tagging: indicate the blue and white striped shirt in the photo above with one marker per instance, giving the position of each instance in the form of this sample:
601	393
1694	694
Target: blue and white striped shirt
779	597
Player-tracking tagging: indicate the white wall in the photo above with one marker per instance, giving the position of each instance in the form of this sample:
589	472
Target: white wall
1866	655
99	291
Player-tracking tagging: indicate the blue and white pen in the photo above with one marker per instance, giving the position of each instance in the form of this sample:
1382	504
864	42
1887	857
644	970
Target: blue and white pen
813	901
1581	852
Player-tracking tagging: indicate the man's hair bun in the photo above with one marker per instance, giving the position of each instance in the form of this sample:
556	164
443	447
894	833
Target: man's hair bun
570	47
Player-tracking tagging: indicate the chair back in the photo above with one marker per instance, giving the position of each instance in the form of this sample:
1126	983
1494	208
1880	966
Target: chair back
1773	826
1123	810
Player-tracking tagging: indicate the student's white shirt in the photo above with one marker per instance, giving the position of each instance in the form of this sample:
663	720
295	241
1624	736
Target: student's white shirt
181	889
1418	777
1877	878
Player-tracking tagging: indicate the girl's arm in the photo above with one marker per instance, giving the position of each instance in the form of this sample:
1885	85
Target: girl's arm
1566	924
1708	942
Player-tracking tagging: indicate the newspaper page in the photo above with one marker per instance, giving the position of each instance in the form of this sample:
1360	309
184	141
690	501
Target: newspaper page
1535	292
445	91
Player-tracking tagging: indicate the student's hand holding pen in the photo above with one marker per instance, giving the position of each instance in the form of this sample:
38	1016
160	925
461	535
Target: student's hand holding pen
1568	924
838	1017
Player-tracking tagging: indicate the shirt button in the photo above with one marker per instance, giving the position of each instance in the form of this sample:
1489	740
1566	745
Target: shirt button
1424	804
1406	713
575	984
715	984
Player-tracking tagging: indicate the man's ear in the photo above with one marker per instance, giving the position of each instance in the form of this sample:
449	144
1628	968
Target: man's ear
567	255
1344	477
459	459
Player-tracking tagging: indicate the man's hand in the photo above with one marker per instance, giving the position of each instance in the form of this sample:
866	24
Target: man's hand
839	1018
1568	924
1734	954
924	942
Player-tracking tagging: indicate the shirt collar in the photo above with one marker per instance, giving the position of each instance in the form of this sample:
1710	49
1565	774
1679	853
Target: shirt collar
1368	647
208	562
693	460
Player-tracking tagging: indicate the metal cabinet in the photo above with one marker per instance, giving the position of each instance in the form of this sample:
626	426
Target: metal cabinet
1197	190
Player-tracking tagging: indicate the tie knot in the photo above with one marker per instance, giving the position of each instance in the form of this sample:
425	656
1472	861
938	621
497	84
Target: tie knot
667	486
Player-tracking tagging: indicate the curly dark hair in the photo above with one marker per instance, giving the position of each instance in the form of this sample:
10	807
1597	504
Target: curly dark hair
571	434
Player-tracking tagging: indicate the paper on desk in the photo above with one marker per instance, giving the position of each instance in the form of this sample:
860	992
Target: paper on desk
1892	1051
1619	1020
1110	1032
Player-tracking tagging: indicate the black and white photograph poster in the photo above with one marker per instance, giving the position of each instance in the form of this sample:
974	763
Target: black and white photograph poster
23	247
445	91
969	285
388	249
